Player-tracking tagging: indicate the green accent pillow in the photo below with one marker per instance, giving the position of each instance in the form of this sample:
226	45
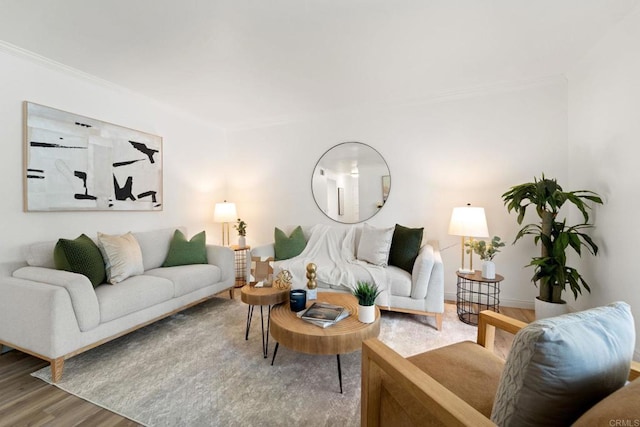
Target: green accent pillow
405	246
288	247
81	256
184	252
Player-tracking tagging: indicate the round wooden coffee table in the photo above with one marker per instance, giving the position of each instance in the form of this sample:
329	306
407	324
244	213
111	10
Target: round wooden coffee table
269	296
345	336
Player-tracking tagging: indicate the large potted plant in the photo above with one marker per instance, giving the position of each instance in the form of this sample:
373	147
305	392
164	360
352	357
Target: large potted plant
555	236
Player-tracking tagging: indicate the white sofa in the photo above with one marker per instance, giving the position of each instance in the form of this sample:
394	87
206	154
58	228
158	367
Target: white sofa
54	314
421	292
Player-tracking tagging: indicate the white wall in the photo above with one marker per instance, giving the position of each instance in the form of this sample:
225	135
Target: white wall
441	155
604	148
194	156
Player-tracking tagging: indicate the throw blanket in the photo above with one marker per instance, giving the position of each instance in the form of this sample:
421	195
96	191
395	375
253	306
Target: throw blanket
333	250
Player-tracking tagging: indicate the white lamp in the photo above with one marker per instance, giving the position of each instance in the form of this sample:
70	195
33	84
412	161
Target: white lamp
469	222
225	213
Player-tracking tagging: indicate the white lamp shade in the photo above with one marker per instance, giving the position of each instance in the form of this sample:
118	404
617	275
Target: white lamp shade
468	221
225	212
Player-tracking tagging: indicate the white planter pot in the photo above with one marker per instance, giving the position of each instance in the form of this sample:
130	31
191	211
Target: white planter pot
488	269
366	313
242	241
544	309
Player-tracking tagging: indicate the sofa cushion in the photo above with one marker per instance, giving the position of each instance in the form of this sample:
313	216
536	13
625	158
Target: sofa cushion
558	368
622	405
374	245
188	278
186	252
81	256
399	282
288	246
40	254
133	294
122	256
154	245
475	376
405	246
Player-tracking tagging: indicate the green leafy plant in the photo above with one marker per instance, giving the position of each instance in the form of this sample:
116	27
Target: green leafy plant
366	293
485	250
241	226
554	235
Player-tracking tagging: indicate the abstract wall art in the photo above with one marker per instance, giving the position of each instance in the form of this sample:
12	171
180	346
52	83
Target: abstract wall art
77	163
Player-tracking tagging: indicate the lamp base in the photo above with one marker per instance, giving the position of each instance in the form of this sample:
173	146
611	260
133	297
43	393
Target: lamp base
465	271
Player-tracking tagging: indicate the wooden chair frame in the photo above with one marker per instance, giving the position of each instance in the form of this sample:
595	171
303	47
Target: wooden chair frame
434	398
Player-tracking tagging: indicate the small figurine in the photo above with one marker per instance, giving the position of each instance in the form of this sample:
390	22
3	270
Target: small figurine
312	284
283	280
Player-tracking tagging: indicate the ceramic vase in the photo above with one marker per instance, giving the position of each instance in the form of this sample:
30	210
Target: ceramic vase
366	313
544	309
488	269
242	241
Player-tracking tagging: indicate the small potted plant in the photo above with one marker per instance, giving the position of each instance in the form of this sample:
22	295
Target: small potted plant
241	226
486	252
366	293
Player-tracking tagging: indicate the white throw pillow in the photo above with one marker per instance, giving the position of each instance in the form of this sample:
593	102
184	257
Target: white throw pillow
375	244
122	256
559	367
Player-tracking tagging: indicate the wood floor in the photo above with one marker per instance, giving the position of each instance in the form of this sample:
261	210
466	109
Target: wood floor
28	401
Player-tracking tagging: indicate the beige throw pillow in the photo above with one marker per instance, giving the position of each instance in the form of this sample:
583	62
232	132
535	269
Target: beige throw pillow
122	256
375	244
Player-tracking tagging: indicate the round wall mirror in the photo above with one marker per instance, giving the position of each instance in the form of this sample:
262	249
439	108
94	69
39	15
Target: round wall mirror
351	182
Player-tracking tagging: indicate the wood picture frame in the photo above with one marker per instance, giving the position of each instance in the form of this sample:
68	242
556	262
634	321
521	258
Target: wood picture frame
76	163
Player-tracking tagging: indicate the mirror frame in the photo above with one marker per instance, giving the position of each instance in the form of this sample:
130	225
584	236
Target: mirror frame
385	184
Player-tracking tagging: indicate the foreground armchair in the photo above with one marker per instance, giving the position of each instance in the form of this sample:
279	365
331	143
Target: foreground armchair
568	369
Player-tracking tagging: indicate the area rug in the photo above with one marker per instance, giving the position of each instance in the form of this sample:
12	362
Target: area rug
196	369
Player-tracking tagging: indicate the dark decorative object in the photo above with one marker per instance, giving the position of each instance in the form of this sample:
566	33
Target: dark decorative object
298	299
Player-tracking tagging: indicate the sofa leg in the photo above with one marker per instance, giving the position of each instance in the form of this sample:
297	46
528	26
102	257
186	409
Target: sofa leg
439	321
57	366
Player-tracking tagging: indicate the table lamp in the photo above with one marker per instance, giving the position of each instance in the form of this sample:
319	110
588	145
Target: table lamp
468	221
225	213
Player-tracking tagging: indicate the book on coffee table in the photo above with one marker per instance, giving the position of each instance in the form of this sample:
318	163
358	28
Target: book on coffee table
323	323
322	312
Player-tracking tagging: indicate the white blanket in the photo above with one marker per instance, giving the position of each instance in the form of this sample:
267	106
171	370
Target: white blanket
333	250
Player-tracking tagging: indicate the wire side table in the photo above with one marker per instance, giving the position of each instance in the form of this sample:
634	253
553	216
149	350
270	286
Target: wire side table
241	255
475	293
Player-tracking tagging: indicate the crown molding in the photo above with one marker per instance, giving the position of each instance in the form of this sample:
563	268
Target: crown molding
432	98
38	59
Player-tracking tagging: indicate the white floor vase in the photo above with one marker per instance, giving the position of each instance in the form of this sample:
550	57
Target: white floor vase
544	309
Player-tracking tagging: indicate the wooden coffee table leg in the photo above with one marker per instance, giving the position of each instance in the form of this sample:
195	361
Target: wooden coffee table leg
275	351
339	373
249	316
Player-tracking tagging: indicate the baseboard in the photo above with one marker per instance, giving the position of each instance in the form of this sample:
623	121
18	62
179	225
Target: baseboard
4	349
504	302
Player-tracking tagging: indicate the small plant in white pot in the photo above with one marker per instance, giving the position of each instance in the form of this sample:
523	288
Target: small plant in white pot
241	226
486	252
366	293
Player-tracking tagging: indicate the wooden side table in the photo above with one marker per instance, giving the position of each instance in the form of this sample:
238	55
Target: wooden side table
241	255
475	293
270	296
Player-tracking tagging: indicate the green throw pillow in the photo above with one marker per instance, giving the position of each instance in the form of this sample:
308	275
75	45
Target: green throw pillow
80	256
288	247
405	246
184	252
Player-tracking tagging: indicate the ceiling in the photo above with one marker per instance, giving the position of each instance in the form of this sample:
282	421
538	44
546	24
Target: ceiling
248	62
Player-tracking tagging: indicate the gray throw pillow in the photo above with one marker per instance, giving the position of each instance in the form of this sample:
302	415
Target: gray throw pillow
558	368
